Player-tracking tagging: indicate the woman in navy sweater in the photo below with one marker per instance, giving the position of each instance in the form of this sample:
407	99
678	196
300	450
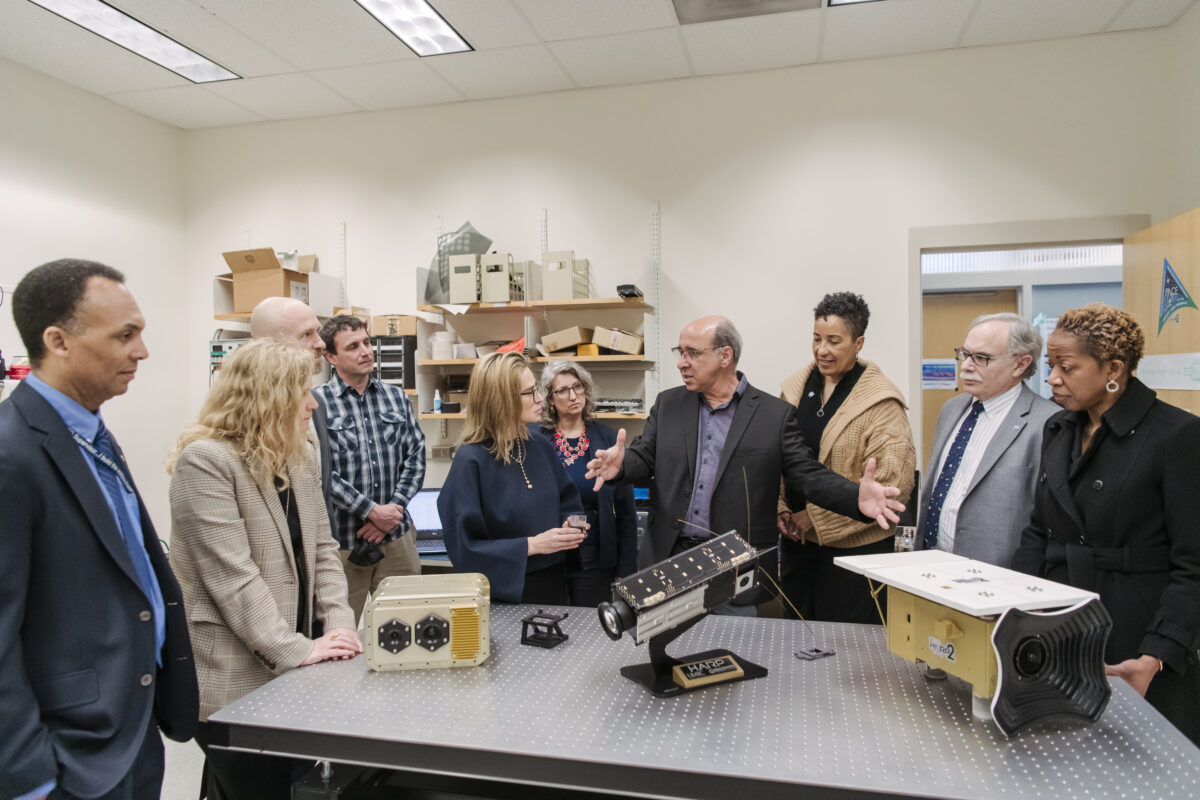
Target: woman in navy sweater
569	425
505	502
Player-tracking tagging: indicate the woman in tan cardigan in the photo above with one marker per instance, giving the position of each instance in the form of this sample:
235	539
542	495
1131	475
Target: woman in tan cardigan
262	585
849	413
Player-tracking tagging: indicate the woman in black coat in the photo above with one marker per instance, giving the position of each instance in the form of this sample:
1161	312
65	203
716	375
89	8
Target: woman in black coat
1115	509
569	426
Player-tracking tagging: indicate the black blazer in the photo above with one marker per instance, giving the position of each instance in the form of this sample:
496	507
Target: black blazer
616	536
78	659
764	443
1122	522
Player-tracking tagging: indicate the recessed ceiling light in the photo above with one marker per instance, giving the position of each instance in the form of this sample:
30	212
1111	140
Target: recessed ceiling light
120	28
417	25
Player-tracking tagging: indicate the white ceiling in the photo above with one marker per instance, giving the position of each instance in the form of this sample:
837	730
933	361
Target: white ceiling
307	58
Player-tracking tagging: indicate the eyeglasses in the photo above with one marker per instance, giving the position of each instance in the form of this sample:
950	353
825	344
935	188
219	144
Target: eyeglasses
566	391
532	393
692	353
978	359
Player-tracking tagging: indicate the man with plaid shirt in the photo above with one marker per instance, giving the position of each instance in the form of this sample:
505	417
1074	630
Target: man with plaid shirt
378	458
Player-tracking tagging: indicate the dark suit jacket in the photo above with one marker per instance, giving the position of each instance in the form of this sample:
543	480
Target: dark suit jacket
320	420
78	658
1000	498
1122	522
616	534
764	443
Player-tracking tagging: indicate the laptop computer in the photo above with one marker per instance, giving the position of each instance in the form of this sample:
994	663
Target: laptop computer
426	522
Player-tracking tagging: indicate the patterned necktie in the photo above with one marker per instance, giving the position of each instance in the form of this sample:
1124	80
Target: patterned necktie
929	531
112	487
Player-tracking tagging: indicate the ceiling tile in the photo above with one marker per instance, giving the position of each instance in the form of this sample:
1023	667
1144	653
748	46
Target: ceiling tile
1150	14
999	21
627	58
201	30
485	26
284	96
502	73
578	19
398	84
50	44
886	29
186	107
313	34
753	43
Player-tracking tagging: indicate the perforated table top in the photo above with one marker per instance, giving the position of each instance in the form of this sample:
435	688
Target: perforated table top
863	722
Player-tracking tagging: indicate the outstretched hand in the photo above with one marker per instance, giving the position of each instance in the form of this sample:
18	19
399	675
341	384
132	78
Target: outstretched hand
607	463
876	500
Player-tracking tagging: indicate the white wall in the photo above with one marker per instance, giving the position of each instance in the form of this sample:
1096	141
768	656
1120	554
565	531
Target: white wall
82	177
775	187
1183	110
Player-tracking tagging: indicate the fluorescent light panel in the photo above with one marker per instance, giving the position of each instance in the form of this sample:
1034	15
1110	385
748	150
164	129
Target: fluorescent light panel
122	29
416	24
833	3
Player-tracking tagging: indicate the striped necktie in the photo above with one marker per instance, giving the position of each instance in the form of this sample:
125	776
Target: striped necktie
929	531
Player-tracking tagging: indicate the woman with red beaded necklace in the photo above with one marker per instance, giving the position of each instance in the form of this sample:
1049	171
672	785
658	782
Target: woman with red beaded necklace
568	423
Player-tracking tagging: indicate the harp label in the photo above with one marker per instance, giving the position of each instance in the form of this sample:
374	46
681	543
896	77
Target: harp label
941	649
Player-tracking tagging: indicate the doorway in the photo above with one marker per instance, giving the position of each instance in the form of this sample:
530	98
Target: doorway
944	320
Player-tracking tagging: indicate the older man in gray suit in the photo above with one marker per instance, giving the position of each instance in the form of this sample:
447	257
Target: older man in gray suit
978	491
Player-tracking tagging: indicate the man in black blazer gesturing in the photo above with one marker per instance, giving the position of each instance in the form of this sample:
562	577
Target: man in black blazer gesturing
716	448
95	656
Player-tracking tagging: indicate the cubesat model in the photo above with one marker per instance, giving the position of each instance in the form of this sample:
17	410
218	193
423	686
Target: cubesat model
661	602
1030	648
419	621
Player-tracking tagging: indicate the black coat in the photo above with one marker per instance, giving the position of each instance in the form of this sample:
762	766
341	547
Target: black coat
78	659
1122	521
764	441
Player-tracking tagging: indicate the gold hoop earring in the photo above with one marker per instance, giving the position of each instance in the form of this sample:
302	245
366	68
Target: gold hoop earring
1112	386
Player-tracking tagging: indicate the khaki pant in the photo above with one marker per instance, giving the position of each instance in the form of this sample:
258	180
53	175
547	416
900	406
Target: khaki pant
399	558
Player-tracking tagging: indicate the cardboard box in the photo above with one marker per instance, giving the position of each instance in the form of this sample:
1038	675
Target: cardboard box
257	275
393	325
566	339
618	340
295	261
354	311
455	397
464	279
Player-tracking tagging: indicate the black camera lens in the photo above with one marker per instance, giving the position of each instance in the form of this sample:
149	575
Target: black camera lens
1031	657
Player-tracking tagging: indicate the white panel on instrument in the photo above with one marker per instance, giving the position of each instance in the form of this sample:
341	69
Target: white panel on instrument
972	587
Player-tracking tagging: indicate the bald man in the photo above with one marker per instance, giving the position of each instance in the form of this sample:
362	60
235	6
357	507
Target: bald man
716	448
296	323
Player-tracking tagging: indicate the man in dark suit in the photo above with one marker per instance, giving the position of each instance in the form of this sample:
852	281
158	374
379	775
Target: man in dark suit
294	322
96	656
716	448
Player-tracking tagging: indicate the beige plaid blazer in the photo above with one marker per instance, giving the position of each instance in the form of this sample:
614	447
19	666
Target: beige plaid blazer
232	553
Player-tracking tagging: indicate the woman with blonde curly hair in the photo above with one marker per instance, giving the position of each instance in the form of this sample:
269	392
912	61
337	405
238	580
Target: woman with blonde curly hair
262	586
505	503
1114	511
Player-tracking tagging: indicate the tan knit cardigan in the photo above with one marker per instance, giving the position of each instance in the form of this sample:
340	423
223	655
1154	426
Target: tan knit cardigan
872	422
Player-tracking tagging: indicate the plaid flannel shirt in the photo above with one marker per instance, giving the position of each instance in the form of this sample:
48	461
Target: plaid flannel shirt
377	452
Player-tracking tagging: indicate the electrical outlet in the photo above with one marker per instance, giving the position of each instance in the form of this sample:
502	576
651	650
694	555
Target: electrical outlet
441	451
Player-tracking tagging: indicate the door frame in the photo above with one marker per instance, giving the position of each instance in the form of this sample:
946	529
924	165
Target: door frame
1000	235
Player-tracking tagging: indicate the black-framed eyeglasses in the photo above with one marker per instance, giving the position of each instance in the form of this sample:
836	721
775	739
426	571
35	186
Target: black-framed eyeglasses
532	393
978	359
692	353
565	392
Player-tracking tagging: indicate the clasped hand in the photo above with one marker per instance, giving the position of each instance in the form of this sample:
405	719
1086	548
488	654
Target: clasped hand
340	644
